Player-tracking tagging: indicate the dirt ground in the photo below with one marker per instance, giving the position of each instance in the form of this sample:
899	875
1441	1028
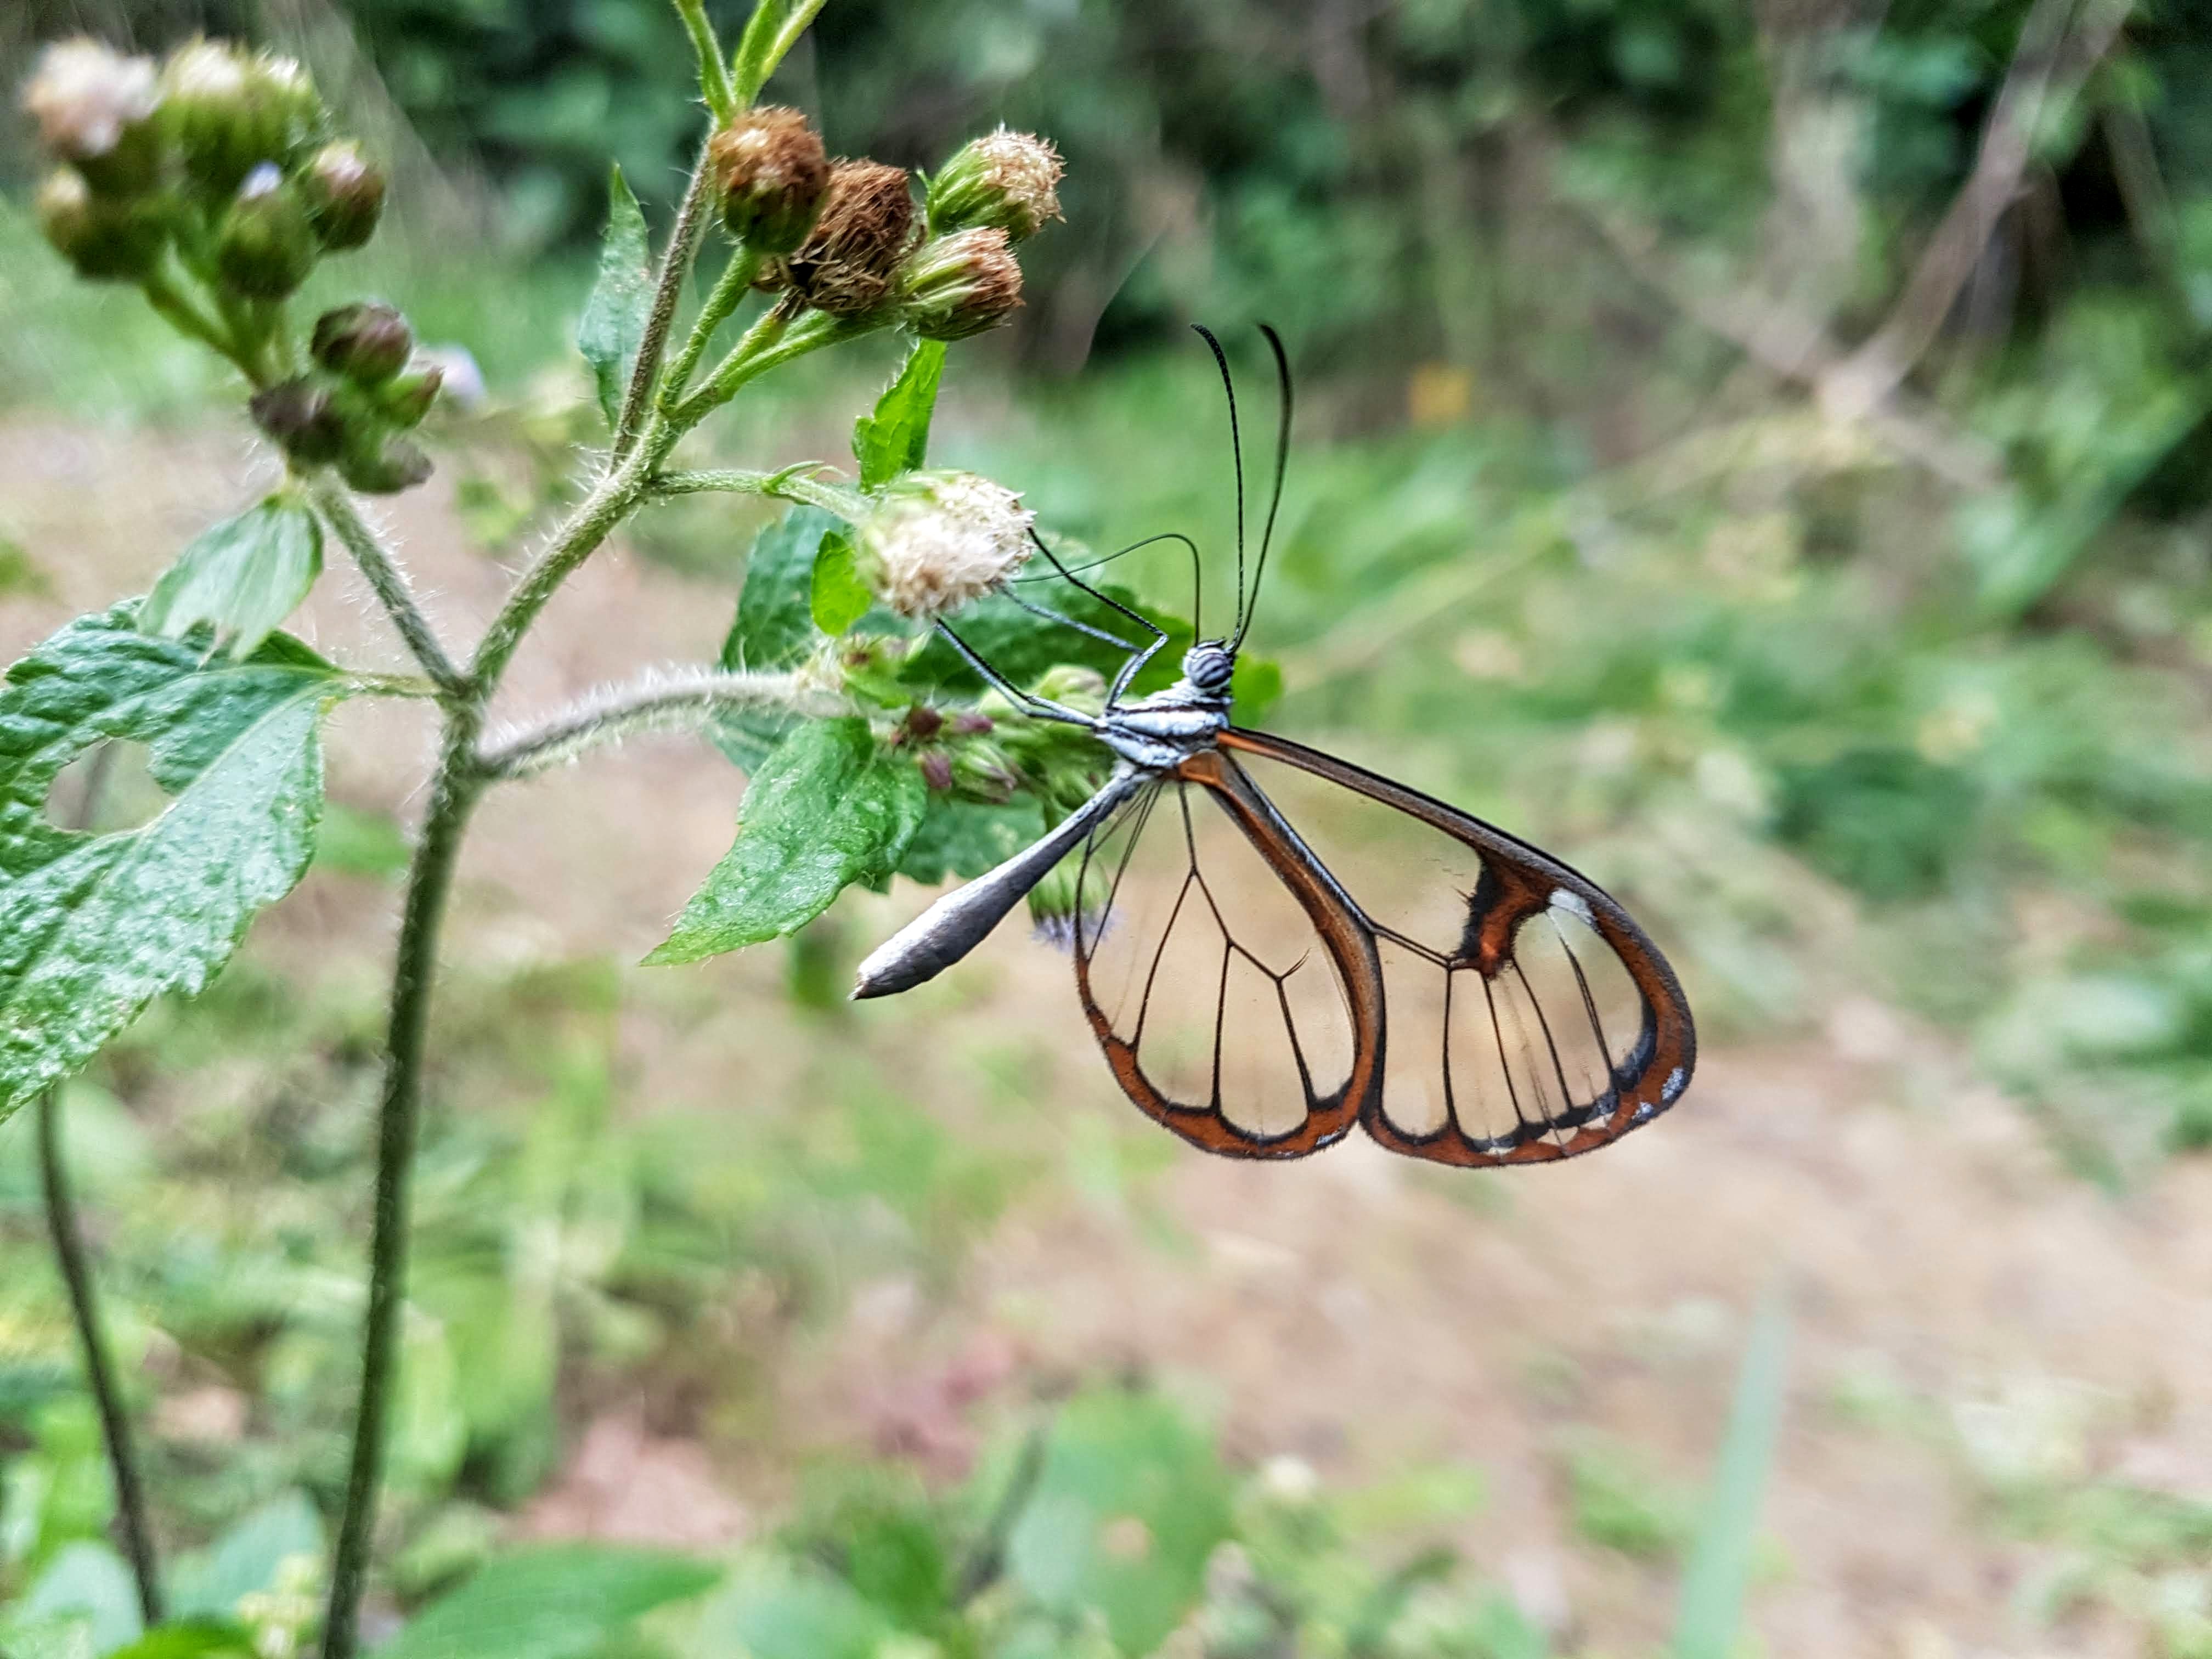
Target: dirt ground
1958	1300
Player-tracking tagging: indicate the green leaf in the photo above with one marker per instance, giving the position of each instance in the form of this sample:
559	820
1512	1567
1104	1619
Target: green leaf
828	808
1130	1502
1022	646
613	322
1719	1568
550	1603
246	1559
967	838
93	927
90	1580
771	33
774	1609
193	1639
242	577
1255	687
775	629
896	437
838	597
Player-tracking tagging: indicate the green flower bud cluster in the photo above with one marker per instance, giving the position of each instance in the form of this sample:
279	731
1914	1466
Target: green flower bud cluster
846	239
367	388
223	154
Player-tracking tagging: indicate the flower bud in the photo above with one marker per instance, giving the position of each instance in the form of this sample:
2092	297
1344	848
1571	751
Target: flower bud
960	285
406	397
228	111
344	196
1004	182
265	247
847	266
93	107
937	540
368	342
303	418
104	240
936	769
770	176
387	469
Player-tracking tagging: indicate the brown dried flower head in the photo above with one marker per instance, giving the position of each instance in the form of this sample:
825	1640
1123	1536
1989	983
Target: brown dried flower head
1007	182
848	265
770	175
960	285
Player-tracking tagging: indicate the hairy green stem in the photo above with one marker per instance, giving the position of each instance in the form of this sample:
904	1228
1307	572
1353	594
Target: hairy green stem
667	293
791	484
728	293
178	308
769	344
713	74
453	793
390	584
131	1508
669	700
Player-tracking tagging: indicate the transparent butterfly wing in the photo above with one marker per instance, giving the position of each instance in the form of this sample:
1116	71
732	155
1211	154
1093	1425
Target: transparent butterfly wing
1526	1016
1233	988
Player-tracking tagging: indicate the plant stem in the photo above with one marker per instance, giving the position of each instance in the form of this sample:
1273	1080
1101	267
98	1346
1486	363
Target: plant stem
714	73
429	879
98	1368
791	484
670	699
728	292
182	312
84	1299
769	344
668	294
391	585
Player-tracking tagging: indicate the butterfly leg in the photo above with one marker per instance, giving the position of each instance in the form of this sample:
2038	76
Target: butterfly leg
1028	701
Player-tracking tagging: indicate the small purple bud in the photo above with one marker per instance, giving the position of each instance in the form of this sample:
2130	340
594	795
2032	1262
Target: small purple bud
304	419
265	247
367	342
937	770
397	465
344	196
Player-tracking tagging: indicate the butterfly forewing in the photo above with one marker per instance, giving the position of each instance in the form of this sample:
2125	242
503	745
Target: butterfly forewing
1222	990
1525	1015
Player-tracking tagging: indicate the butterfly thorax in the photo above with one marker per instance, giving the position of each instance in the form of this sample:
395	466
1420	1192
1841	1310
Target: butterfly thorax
1158	733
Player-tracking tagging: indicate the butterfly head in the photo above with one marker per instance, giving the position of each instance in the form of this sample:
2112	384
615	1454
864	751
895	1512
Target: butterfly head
1209	665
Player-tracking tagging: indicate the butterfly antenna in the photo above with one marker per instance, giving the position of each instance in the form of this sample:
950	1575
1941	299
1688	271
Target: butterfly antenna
1275	497
1071	571
1236	455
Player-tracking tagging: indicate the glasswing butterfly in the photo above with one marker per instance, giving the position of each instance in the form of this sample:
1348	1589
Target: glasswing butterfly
1468	998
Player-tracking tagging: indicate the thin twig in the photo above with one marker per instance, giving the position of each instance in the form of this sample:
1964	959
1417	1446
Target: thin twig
791	484
668	294
672	699
390	584
986	1561
131	1511
2048	69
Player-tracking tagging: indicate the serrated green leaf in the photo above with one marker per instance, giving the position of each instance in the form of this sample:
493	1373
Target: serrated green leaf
93	927
550	1603
838	597
1131	1501
1022	646
896	437
775	629
771	33
966	838
828	808
241	578
193	1638
613	322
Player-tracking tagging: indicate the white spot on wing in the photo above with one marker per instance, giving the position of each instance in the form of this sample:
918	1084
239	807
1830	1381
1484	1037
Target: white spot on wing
1675	1080
1574	904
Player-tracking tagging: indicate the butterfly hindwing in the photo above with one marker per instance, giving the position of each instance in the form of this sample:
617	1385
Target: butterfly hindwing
1526	1016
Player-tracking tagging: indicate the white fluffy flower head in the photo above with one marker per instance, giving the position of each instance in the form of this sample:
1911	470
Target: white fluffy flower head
84	94
938	540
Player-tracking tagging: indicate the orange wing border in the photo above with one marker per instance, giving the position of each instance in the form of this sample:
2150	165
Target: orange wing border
1521	880
1343	932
